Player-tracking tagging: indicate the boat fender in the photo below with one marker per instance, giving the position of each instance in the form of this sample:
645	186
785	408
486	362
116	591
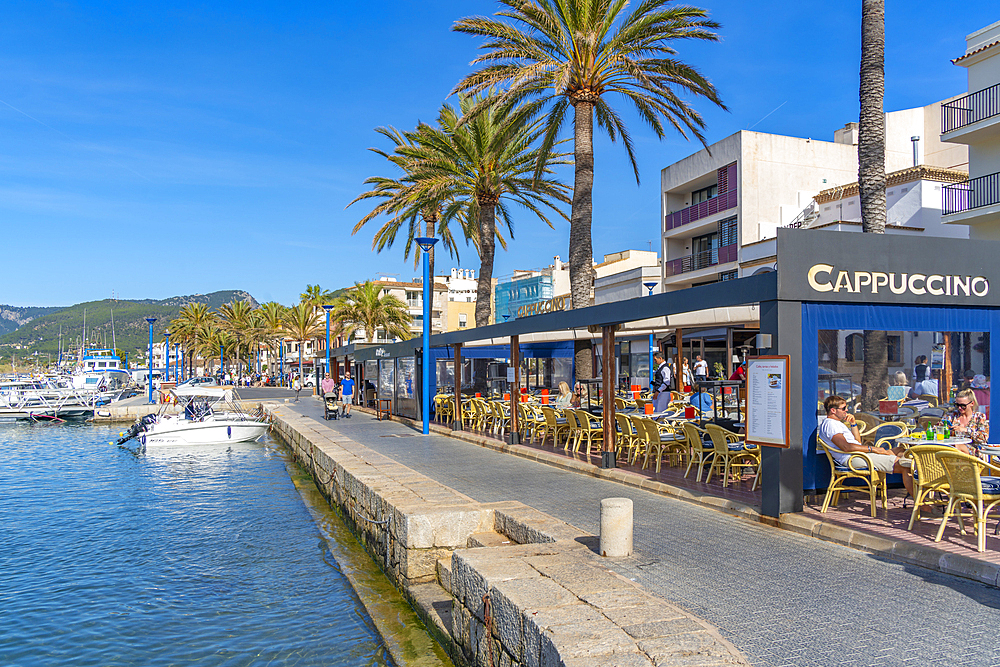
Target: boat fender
142	440
229	431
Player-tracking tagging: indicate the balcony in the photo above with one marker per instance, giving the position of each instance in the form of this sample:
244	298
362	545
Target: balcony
701	260
725	200
969	195
970	109
968	119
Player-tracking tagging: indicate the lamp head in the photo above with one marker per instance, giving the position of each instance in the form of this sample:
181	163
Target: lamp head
425	243
327	307
150	320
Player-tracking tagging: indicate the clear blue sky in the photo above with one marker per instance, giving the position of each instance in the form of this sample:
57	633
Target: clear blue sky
158	149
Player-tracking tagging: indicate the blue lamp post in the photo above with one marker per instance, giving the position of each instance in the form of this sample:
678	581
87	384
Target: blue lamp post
327	308
652	338
426	244
166	353
222	363
177	362
281	364
149	379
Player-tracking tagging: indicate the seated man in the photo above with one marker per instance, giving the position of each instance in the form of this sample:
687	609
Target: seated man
840	430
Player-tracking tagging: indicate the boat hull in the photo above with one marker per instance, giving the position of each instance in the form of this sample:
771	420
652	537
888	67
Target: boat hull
184	432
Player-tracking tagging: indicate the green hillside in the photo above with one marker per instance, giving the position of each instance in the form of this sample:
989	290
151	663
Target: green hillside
131	332
12	317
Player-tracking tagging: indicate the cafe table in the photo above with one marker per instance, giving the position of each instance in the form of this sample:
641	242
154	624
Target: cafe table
949	442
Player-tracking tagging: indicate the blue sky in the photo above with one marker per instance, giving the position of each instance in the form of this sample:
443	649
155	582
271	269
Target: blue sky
156	149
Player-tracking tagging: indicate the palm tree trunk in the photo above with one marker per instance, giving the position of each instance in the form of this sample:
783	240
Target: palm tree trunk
871	178
487	249
581	252
430	234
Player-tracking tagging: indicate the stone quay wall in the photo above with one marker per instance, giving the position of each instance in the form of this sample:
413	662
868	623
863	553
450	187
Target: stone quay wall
498	584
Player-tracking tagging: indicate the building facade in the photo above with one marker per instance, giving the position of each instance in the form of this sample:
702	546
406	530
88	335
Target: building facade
973	121
529	286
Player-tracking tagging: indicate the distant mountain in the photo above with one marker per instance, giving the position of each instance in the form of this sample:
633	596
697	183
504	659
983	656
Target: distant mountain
41	330
12	317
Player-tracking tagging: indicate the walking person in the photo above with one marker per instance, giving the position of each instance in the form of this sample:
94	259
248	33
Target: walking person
700	369
347	393
660	383
296	387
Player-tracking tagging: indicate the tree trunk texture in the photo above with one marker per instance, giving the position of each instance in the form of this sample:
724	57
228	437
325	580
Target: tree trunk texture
487	249
430	235
581	254
871	178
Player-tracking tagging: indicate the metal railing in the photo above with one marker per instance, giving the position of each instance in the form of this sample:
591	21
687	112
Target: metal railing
722	202
971	194
970	109
701	260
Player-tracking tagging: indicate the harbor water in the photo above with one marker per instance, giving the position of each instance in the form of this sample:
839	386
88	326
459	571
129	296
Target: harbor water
174	557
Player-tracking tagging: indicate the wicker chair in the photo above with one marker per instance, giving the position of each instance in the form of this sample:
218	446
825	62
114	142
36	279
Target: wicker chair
628	436
930	398
874	480
698	449
968	485
444	407
928	476
732	453
589	428
555	426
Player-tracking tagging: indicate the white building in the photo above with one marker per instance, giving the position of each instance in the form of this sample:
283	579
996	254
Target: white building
623	275
719	201
973	121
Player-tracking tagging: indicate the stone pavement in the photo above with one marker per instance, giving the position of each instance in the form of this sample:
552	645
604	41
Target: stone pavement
781	598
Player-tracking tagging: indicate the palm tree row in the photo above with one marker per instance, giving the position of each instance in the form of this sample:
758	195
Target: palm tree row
241	330
540	59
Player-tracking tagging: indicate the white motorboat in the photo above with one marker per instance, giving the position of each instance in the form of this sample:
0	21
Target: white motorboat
36	399
210	416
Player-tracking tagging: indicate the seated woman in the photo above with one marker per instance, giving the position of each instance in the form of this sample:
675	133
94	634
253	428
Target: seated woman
565	398
967	422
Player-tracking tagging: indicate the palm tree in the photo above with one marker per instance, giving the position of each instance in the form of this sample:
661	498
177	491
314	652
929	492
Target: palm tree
574	53
365	307
272	322
480	164
192	318
302	323
403	204
316	296
871	179
236	319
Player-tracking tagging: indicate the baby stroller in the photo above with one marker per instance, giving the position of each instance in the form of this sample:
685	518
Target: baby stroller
333	407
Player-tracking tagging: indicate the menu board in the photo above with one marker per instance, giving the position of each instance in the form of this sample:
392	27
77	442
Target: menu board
768	400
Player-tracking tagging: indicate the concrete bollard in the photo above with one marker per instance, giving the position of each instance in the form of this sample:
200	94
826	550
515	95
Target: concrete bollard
616	527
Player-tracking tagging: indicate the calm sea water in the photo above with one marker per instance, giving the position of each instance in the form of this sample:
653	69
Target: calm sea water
184	557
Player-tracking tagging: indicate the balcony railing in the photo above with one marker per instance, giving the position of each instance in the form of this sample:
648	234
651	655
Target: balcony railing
970	109
723	202
701	260
971	194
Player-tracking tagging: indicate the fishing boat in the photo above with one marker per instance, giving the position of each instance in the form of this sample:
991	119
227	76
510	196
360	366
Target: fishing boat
42	399
209	416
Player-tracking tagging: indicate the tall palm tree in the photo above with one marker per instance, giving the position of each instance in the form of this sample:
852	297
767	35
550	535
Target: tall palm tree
236	319
316	296
403	204
577	53
191	319
302	323
480	165
871	179
272	321
365	307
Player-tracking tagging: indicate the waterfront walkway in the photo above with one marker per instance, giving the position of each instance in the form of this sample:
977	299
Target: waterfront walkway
781	598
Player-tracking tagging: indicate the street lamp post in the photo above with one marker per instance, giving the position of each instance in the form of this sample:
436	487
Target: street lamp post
166	353
327	308
652	338
426	244
149	380
222	363
177	362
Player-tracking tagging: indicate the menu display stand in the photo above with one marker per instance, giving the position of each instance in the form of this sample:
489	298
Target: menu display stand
768	401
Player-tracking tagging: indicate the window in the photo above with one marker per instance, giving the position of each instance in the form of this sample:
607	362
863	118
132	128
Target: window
854	348
704	194
728	232
895	349
463	320
729	275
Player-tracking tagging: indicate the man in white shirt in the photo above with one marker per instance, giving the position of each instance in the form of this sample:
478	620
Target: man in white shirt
700	369
840	431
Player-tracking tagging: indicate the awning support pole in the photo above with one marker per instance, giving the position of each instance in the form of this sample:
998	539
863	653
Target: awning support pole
515	391
608	454
456	423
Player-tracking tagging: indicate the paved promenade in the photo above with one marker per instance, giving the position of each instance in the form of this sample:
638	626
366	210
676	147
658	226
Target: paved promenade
781	598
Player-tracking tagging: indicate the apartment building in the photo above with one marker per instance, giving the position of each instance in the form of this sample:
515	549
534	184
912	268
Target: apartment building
412	295
718	203
973	122
529	286
625	275
460	309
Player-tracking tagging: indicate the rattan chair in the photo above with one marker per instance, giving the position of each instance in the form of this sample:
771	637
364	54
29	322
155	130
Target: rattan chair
870	422
628	436
930	398
555	426
589	428
700	452
840	474
444	407
928	477
968	485
732	454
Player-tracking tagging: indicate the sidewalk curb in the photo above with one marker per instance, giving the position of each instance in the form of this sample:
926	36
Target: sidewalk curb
921	555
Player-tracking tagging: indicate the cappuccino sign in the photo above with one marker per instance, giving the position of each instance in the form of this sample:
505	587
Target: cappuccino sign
825	278
849	267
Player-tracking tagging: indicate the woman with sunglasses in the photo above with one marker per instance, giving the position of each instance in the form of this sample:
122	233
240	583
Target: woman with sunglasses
967	421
